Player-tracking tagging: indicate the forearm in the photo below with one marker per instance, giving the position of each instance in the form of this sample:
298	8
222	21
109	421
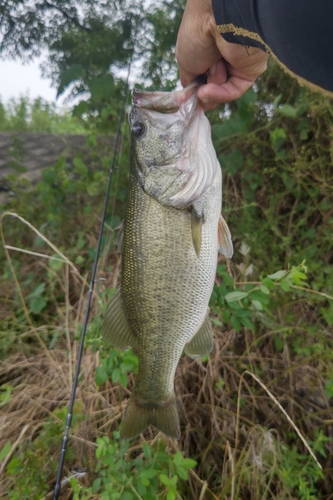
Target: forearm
298	33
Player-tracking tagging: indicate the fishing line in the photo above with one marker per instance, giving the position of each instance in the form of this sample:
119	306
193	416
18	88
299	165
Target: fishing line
90	292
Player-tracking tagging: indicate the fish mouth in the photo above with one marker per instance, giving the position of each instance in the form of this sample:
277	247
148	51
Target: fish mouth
165	102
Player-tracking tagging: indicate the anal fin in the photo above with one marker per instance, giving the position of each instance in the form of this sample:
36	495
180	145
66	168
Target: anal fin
116	328
202	342
224	237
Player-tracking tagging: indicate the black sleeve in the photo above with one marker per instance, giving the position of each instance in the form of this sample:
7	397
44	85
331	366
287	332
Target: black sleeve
299	33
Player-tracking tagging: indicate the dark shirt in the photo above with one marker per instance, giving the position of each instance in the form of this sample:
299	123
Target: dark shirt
299	33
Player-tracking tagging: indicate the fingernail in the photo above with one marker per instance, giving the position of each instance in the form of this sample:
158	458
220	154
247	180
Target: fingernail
212	70
207	103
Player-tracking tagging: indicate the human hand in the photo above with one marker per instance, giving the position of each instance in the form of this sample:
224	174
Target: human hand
231	69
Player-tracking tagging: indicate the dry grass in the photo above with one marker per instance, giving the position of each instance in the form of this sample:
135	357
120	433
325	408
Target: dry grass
231	423
228	442
225	440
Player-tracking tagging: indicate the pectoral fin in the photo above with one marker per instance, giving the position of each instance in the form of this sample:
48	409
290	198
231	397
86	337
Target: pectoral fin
119	241
115	328
196	228
224	238
202	342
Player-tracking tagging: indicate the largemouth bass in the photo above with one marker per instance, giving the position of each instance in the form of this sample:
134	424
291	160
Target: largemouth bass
172	233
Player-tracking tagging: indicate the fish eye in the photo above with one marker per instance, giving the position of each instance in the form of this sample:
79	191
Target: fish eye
138	129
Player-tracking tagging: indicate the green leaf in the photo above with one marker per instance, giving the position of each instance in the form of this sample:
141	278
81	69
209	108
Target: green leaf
174	481
126	495
181	472
80	166
96	484
5	394
14	466
231	164
81	108
328	313
278	137
235	323
278	343
115	375
100	375
38	290
268	283
297	276
101	87
188	463
178	458
216	321
258	305
55	263
277	100
148	473
277	275
123	379
264	289
303	135
116	434
98	452
165	480
146	450
5	450
236	295
228	280
68	76
171	495
247	323
38	304
81	241
226	315
285	286
258	295
288	111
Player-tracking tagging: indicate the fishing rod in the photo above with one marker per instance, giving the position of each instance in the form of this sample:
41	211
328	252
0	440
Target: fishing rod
90	292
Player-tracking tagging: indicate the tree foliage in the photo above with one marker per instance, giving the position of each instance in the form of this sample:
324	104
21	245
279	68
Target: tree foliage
88	44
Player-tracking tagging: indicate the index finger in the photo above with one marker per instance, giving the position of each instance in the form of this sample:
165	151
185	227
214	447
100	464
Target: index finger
212	94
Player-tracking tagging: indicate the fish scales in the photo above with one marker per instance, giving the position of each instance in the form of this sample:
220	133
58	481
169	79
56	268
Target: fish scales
170	248
163	262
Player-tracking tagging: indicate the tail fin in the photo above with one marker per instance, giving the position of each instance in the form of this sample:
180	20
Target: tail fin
139	416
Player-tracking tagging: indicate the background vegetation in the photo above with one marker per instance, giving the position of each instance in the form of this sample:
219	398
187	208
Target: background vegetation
271	306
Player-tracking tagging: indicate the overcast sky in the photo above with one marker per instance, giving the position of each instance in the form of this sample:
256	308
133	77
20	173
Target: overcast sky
17	79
